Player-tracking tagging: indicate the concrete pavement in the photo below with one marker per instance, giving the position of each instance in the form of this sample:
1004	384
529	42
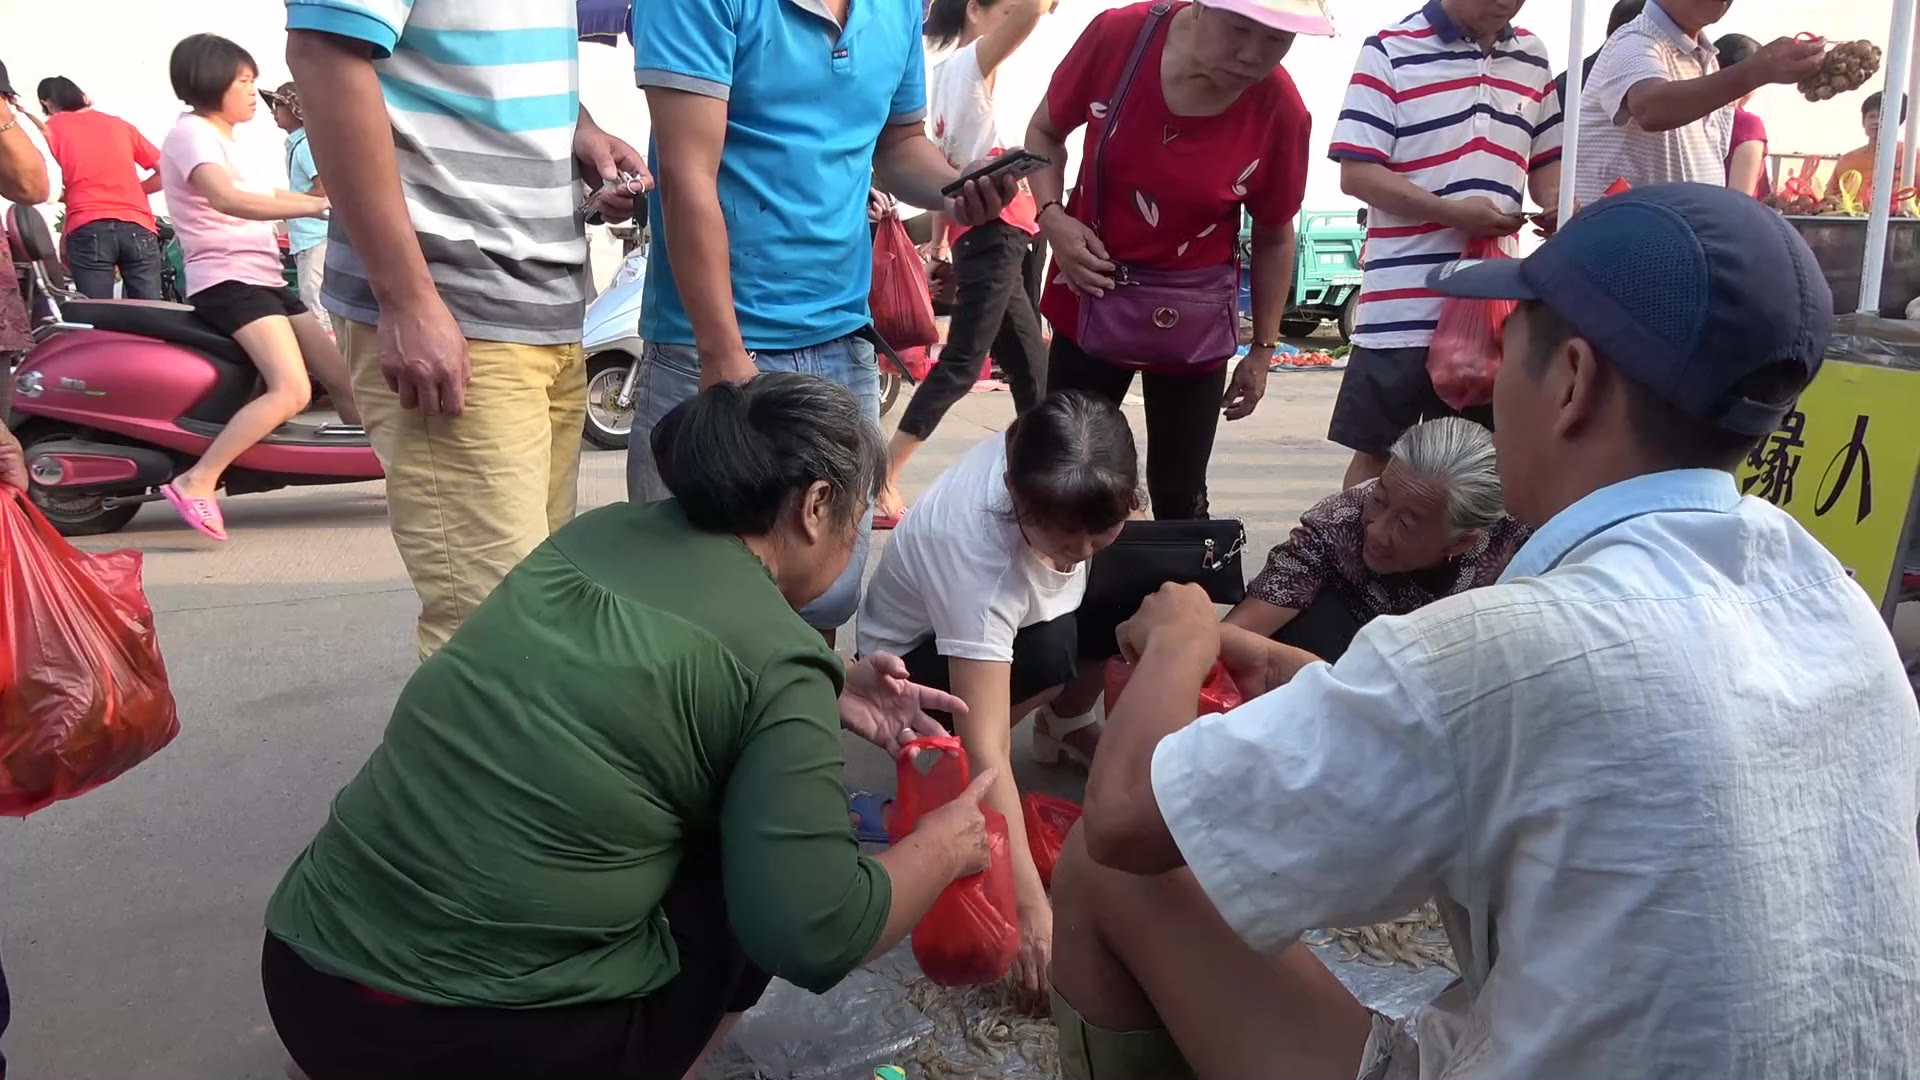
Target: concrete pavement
130	919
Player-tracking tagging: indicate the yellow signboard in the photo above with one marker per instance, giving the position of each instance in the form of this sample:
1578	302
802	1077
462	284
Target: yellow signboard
1844	465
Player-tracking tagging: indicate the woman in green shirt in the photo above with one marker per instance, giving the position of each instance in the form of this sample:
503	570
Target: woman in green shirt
612	807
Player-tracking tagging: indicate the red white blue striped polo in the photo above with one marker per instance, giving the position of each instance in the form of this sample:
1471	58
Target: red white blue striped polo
1426	102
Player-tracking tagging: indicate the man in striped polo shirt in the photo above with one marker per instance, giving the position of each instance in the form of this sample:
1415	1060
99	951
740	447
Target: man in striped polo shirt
1449	121
1657	107
453	143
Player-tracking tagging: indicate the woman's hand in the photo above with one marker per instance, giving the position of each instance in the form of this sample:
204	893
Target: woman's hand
881	705
1030	964
959	829
880	205
1175	613
1078	253
1257	663
13	460
1249	384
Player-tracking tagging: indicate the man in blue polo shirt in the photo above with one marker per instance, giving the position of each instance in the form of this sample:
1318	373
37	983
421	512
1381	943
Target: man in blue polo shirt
770	119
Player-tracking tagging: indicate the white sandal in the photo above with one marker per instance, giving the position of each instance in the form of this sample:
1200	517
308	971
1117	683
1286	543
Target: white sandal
1050	730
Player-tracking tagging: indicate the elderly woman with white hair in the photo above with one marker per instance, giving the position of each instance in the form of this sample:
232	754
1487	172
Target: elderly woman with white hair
1432	525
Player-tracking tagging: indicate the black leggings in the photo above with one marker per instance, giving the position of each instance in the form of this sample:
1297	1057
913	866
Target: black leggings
993	310
1183	413
338	1030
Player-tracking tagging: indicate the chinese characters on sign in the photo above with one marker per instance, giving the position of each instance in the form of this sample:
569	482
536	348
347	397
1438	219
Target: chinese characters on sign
1776	461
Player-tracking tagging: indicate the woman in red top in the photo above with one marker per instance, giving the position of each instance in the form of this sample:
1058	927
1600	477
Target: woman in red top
1212	124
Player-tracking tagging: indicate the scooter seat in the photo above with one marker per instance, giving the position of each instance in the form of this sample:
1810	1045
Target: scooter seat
157	319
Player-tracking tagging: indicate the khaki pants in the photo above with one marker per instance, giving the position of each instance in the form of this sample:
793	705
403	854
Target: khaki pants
469	496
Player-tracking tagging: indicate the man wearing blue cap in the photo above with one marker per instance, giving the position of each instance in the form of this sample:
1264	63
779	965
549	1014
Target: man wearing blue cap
1662	781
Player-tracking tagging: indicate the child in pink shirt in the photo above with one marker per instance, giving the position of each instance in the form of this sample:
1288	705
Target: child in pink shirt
233	267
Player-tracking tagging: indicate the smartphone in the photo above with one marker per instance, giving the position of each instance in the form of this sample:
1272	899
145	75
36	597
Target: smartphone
1015	163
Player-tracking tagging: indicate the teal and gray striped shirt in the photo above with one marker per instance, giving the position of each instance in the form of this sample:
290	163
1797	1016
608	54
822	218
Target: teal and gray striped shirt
483	96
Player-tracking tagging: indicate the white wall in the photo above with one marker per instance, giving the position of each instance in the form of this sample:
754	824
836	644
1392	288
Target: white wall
117	51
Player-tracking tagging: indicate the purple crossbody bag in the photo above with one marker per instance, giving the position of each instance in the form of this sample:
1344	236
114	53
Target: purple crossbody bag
1171	321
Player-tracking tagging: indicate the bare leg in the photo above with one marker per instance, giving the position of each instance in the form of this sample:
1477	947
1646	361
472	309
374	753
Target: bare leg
1138	953
329	368
271	344
719	1039
899	450
1362	468
1080	696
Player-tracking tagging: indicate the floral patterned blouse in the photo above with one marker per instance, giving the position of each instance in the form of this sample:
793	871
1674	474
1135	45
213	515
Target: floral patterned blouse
1325	553
15	329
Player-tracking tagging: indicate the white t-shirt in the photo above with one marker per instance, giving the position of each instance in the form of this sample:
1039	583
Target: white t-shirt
1663	779
217	247
958	570
960	108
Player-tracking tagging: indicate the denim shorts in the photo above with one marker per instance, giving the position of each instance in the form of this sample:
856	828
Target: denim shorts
670	374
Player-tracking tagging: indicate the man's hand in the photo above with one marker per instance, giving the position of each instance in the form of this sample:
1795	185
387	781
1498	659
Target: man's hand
13	460
982	200
1077	253
883	706
1259	664
423	356
733	367
1249	384
1478	217
606	157
1785	60
1176	613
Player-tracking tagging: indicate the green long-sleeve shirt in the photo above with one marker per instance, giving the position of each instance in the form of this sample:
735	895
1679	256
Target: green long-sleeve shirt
634	687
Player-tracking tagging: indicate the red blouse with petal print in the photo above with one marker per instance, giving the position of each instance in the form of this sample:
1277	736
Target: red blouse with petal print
1173	186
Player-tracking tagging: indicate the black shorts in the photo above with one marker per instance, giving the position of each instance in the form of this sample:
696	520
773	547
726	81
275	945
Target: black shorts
1383	393
1045	655
338	1030
230	305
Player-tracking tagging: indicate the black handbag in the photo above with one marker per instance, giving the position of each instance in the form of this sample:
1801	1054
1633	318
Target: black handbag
1149	554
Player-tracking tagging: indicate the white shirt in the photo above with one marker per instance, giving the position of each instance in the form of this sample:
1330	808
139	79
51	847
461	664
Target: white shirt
959	572
1664	780
960	108
1613	145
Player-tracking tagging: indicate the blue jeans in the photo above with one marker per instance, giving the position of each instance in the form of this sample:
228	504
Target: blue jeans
95	249
670	374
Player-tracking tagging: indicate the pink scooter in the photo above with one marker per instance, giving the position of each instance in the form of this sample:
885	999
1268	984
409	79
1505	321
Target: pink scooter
117	397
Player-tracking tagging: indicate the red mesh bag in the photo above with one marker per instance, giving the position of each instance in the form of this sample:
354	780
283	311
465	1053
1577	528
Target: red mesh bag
83	691
972	932
902	306
1217	695
1465	354
1048	821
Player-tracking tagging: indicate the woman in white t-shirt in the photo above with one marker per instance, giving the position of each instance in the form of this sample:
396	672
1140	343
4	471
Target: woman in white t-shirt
978	588
993	309
235	275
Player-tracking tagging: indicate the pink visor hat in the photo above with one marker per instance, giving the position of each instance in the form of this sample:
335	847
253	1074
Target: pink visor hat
1293	16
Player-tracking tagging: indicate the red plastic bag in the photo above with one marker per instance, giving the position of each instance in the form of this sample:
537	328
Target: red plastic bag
1465	354
972	932
1048	821
1217	695
917	361
902	306
83	691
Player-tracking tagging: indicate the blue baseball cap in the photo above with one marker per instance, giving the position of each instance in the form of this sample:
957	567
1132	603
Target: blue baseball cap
1686	288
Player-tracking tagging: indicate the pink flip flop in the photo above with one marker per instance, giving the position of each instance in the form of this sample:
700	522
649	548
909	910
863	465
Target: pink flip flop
202	515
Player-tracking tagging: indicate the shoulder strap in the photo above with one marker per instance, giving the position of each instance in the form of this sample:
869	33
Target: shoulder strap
1154	15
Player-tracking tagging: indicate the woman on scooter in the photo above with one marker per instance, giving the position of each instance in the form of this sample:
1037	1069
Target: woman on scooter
235	281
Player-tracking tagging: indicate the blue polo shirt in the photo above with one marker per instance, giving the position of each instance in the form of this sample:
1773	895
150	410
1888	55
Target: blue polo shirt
806	102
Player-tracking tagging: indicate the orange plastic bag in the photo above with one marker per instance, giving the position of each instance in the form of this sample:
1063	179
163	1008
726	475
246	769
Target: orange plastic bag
1217	695
1048	821
1465	354
902	306
83	691
972	932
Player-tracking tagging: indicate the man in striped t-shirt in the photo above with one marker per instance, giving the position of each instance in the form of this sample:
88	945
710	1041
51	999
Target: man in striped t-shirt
1449	121
453	143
